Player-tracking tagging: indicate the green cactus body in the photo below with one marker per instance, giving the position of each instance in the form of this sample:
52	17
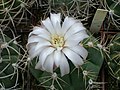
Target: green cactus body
7	9
116	8
8	58
77	79
114	61
12	11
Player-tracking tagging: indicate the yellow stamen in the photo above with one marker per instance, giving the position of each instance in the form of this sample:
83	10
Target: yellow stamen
57	41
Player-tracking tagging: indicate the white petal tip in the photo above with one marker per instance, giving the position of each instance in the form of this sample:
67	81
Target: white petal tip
63	74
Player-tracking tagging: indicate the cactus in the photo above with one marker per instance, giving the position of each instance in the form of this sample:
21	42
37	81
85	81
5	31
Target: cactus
82	9
113	16
82	78
9	56
114	57
12	62
13	11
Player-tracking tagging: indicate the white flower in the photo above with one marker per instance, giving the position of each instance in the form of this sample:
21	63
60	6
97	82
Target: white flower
55	42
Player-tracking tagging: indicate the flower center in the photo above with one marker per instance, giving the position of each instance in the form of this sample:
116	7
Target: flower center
57	41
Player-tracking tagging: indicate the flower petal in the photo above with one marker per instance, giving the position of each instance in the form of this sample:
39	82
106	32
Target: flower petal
80	50
77	27
49	63
75	39
56	21
57	57
33	39
42	57
38	30
31	45
68	22
58	29
39	65
45	36
47	51
74	57
78	36
33	53
64	66
31	50
55	18
70	43
37	48
42	43
48	25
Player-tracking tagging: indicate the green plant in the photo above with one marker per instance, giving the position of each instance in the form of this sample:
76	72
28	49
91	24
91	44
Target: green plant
17	70
83	78
9	56
113	7
14	11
